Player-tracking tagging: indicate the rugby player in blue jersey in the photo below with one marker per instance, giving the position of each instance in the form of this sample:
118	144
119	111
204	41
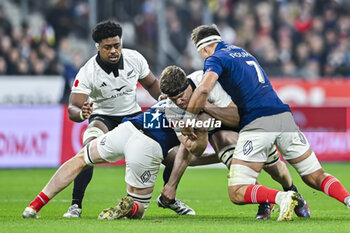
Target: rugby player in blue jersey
179	88
265	121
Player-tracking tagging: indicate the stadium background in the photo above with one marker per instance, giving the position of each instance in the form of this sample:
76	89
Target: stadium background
302	45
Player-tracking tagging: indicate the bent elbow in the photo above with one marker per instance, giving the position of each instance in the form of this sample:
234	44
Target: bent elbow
70	114
203	90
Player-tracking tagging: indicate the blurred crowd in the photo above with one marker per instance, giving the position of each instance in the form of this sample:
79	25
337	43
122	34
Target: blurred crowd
297	38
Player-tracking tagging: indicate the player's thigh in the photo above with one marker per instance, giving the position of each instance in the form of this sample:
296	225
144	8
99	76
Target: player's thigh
292	143
273	158
222	139
111	145
143	157
254	146
95	129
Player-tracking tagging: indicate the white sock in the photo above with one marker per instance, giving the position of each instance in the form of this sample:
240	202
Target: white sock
347	201
279	197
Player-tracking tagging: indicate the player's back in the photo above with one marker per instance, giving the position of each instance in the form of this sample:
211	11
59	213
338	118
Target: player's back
154	121
244	80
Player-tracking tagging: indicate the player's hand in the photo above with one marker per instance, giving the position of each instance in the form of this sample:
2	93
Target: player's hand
189	132
207	105
87	109
187	143
168	193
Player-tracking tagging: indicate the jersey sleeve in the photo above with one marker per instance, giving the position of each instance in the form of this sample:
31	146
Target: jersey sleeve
142	66
213	64
219	97
81	83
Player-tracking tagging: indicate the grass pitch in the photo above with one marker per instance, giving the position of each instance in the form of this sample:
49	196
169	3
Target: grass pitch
205	190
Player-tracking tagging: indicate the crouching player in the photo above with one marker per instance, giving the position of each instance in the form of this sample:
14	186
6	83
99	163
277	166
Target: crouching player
143	150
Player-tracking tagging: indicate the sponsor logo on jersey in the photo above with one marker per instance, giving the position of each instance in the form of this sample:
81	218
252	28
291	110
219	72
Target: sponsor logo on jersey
103	141
302	138
120	88
145	176
248	147
130	74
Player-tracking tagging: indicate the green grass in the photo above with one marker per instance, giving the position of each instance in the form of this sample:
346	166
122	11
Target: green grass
203	189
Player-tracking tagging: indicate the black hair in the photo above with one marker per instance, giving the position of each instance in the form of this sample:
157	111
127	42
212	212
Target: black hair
204	31
106	29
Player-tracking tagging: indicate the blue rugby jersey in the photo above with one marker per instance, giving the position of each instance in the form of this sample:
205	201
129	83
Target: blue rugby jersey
154	121
245	81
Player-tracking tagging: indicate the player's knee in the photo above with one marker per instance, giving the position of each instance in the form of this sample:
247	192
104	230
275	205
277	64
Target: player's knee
308	165
91	133
239	176
234	194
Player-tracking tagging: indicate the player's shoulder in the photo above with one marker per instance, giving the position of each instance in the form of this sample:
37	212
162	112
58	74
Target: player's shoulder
131	54
233	51
87	71
196	77
89	66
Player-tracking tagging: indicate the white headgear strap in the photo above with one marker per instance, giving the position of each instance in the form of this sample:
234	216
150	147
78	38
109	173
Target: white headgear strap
207	41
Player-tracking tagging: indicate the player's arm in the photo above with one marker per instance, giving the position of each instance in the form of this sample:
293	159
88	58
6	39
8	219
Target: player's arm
151	84
186	150
79	109
227	115
201	93
180	164
197	146
199	98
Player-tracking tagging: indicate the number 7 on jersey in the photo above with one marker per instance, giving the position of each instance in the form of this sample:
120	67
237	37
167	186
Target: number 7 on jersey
258	70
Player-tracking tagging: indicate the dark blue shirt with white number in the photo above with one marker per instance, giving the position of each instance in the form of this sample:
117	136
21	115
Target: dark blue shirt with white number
159	127
245	81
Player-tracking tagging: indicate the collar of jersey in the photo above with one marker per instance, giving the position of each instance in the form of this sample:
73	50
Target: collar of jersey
221	45
108	68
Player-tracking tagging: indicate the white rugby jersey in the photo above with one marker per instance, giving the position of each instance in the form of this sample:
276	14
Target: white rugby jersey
114	96
217	96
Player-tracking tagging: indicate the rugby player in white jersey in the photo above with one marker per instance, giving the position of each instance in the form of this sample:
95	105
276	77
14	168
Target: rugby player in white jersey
104	92
144	148
174	83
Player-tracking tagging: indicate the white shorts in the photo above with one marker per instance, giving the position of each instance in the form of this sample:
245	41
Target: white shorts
257	139
142	154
